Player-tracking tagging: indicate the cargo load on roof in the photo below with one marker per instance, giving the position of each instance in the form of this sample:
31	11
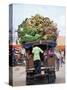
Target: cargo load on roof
37	28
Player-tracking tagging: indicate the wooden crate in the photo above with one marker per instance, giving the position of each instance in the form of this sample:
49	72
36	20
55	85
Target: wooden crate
29	62
51	61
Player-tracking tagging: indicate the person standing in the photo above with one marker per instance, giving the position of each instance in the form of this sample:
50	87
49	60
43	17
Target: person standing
23	54
36	57
62	57
45	58
58	59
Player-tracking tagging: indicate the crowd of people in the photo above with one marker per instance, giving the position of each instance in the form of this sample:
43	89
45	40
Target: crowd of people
60	59
37	59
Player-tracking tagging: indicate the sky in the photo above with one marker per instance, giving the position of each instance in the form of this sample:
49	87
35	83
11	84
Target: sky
55	13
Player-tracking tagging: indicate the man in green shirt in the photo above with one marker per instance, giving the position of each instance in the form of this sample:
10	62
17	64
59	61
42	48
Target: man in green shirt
36	57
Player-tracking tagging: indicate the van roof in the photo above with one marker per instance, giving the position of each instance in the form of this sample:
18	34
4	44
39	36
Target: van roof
41	42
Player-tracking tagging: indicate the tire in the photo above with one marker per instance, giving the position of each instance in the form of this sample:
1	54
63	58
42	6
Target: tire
51	77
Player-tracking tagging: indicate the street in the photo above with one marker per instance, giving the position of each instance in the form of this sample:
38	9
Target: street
19	75
60	75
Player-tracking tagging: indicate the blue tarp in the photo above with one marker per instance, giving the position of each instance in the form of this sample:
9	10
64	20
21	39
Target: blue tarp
27	46
52	44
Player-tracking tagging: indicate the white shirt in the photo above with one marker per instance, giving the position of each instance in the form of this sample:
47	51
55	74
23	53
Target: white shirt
23	51
58	55
62	53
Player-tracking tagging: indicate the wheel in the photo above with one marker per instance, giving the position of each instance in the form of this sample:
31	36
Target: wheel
51	77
